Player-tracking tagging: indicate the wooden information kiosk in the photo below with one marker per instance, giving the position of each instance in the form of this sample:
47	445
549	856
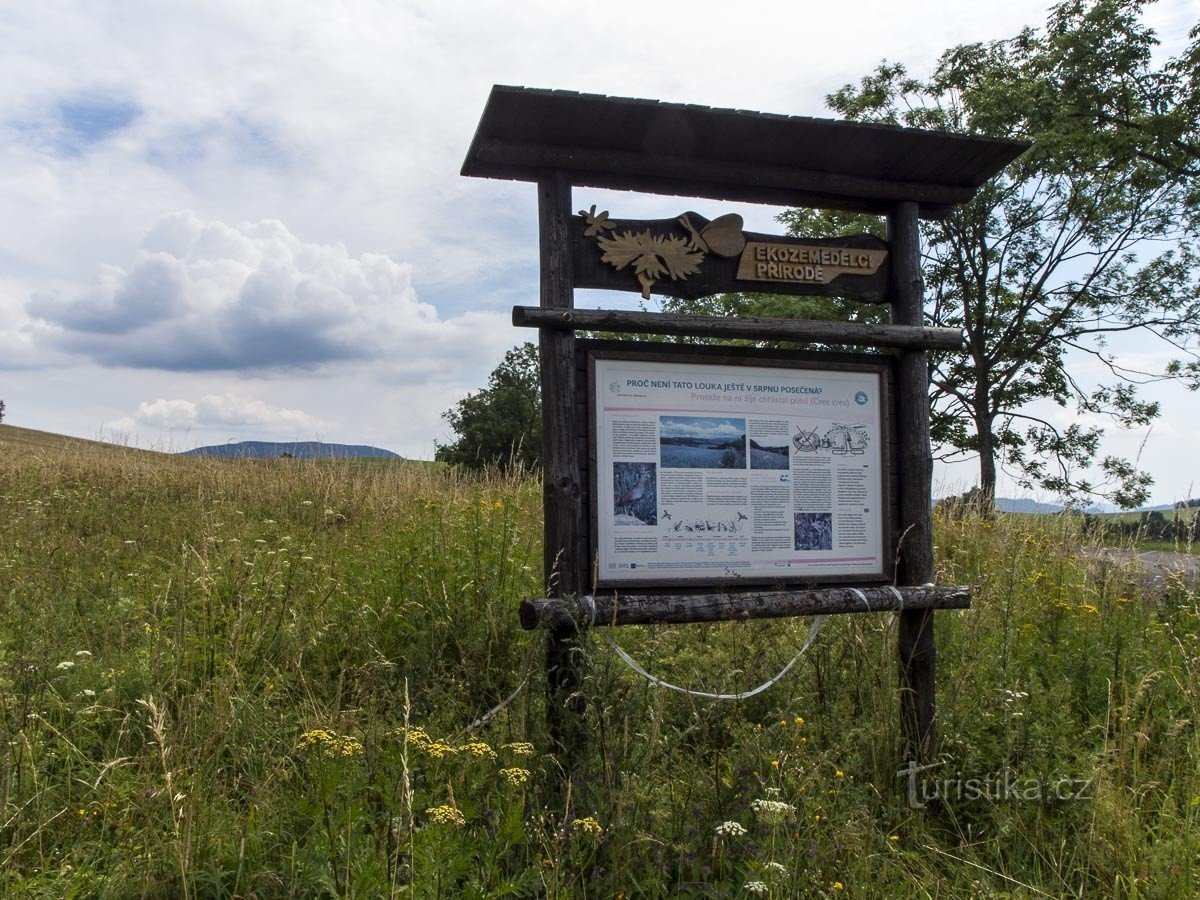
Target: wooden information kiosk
697	484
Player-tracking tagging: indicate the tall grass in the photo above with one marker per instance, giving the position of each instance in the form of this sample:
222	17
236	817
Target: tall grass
224	678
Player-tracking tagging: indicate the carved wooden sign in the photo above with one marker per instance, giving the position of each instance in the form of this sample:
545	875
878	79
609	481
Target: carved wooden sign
690	256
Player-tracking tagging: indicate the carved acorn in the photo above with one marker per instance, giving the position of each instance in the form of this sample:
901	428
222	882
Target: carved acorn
722	236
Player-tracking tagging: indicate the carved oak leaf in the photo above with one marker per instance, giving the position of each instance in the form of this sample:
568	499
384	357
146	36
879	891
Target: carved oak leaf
622	249
680	257
652	256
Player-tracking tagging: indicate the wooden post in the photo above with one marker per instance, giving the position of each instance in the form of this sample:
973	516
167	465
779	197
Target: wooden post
915	564
565	557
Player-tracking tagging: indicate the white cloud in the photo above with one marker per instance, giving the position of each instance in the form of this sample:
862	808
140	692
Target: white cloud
204	296
166	413
347	122
211	410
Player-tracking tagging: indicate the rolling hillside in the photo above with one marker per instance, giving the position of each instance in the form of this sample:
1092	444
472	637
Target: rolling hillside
15	439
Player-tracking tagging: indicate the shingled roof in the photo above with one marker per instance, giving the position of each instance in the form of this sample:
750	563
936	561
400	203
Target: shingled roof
729	154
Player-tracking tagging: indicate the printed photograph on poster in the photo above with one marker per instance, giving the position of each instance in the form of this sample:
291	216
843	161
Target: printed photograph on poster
635	492
767	457
702	442
813	531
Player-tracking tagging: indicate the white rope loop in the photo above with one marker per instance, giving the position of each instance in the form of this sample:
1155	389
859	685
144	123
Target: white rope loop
813	631
861	596
487	716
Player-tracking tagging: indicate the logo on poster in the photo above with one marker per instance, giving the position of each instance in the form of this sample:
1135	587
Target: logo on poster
861	398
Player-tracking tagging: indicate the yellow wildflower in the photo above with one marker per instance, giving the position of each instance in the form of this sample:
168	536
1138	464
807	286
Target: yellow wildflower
587	825
514	776
478	749
837	886
418	737
519	748
839	774
330	742
439	749
446	815
347	746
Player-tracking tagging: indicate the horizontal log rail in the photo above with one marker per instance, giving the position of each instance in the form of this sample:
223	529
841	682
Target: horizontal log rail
758	328
648	609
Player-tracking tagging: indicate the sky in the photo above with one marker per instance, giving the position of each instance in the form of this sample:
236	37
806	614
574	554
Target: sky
225	221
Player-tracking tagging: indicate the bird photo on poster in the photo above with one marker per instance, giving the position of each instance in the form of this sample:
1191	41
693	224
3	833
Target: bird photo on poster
635	493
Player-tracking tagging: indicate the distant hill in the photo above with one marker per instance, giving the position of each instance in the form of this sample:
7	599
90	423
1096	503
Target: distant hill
1036	507
296	449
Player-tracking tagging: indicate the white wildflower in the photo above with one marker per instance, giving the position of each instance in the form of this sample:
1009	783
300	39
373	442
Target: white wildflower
731	829
757	887
772	812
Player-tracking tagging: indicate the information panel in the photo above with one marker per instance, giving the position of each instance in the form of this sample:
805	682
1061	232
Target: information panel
707	473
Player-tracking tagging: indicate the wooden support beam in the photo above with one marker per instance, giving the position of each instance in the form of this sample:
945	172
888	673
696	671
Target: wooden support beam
648	609
566	550
915	565
746	327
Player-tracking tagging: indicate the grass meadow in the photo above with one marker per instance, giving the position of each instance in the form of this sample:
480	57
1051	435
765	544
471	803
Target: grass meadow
255	679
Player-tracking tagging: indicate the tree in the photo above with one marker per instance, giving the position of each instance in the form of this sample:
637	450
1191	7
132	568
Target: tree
502	424
1080	239
1102	56
1	410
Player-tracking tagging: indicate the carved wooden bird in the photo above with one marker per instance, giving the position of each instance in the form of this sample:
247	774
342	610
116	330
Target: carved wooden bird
635	493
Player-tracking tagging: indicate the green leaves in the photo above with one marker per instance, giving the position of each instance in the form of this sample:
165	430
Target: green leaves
500	425
1084	238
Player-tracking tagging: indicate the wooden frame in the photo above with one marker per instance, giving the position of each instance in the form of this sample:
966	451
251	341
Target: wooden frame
559	140
879	366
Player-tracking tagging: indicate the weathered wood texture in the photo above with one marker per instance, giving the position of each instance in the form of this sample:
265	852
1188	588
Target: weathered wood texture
915	565
719	273
697	151
758	328
608	167
648	609
566	545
